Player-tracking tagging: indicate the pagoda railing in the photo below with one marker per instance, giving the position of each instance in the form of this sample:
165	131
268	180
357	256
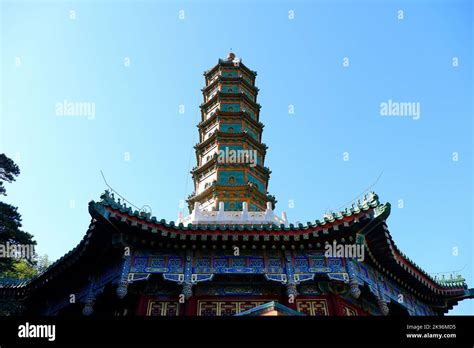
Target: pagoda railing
199	216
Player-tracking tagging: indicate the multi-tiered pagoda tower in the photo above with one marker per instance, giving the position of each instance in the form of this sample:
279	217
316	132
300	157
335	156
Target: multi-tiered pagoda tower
230	174
230	134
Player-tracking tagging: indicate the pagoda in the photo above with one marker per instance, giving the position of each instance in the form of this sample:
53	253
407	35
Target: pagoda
230	175
232	255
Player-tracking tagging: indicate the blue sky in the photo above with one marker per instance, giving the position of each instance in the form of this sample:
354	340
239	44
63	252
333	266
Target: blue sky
48	57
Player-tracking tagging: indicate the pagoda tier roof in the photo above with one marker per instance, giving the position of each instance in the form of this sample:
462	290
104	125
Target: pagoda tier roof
214	188
234	114
229	63
242	136
228	97
213	163
366	217
230	79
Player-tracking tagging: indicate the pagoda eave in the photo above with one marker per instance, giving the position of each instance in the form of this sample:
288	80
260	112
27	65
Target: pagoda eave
222	79
234	114
243	136
228	97
213	163
227	63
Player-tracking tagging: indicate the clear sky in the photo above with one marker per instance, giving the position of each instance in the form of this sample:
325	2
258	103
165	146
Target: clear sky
142	143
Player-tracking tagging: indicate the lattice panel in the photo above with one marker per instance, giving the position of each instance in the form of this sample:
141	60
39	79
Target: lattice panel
244	306
172	309
163	308
313	307
208	309
228	308
225	308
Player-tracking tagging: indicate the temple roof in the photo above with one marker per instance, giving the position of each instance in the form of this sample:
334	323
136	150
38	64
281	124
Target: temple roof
358	209
378	241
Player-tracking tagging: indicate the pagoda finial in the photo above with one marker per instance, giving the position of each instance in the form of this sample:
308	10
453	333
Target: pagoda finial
231	55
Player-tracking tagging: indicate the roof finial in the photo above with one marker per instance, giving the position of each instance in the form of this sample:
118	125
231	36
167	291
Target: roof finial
231	56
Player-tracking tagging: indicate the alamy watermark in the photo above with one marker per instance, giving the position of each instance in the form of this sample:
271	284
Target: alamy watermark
238	156
400	109
355	251
70	108
17	251
37	331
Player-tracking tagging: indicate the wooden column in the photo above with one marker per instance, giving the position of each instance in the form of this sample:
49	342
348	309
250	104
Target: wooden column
190	307
336	305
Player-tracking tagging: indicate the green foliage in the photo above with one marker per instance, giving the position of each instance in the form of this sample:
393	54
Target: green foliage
21	270
10	222
8	172
13	269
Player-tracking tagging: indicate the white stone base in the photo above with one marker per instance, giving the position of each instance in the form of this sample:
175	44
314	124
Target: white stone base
244	217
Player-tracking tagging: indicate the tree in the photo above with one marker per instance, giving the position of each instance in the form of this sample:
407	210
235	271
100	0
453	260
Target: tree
42	263
8	172
10	222
22	269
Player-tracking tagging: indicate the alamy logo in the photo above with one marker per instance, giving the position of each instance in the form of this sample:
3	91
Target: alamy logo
68	108
37	331
400	109
238	156
17	251
355	251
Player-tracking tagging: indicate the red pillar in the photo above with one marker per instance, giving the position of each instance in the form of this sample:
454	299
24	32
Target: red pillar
190	306
336	305
142	305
